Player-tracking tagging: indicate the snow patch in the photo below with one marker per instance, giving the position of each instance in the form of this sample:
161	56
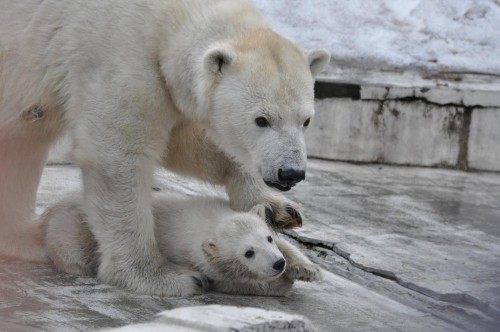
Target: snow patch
435	35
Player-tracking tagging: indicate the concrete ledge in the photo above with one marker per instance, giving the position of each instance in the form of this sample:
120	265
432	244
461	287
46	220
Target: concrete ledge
450	121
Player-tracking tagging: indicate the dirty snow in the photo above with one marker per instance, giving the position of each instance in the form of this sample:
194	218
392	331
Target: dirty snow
436	35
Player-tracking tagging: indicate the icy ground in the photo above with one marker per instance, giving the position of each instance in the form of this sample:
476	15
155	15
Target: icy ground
431	35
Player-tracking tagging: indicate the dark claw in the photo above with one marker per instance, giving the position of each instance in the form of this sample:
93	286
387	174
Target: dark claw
296	215
270	218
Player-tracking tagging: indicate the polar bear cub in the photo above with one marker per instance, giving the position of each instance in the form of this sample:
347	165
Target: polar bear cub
233	252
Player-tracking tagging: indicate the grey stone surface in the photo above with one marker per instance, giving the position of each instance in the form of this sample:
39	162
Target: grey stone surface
38	298
221	318
434	231
393	131
484	139
404	249
483	98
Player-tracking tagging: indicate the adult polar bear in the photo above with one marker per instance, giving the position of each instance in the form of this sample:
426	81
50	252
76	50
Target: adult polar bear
202	87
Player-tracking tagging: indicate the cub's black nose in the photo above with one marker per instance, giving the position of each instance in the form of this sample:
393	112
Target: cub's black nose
279	265
291	175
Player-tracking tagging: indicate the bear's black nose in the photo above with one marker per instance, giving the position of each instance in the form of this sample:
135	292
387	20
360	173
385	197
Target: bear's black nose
279	264
291	175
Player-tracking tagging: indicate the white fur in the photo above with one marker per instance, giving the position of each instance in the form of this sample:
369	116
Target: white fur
140	83
198	234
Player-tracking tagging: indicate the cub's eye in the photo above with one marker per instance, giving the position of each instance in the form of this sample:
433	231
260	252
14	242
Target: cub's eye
307	122
249	254
270	239
261	122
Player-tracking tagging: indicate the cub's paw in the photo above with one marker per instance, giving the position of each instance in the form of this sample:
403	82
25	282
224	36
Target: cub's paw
304	272
281	213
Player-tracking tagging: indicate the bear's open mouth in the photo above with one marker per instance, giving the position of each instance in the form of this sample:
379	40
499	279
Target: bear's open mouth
279	186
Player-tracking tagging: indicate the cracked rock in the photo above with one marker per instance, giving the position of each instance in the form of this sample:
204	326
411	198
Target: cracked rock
220	318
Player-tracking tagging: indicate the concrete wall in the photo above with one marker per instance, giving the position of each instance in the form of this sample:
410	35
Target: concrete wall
396	132
408	126
484	139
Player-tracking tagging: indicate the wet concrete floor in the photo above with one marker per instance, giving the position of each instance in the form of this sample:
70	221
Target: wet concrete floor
403	248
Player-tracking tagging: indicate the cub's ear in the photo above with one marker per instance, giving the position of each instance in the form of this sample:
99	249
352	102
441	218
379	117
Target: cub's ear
218	58
318	59
209	247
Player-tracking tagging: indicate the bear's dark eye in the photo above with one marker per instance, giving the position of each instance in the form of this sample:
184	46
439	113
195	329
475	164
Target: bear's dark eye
249	254
261	122
270	239
307	122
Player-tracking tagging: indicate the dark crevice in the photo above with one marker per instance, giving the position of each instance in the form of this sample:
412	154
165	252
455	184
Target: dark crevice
463	140
411	99
333	247
324	90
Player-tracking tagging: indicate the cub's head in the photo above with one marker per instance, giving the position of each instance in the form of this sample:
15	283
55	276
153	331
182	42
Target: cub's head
244	247
258	94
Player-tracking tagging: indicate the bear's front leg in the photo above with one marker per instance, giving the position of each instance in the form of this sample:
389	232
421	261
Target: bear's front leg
118	204
118	160
192	153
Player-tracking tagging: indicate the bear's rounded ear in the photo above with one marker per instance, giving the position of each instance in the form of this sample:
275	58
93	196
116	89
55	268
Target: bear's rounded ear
318	59
218	58
209	247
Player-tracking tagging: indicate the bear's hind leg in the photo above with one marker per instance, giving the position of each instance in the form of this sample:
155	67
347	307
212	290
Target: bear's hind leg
24	148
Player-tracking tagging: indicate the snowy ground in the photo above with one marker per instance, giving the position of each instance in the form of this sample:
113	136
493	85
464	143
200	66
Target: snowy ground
430	35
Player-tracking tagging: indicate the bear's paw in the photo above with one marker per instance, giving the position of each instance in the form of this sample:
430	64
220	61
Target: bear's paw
282	213
304	272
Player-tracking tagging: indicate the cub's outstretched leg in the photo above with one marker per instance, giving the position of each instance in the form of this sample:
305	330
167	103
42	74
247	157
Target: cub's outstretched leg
298	266
192	153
